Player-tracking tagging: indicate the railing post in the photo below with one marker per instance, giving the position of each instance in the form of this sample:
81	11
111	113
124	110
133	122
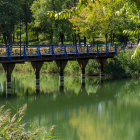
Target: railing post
8	68
61	48
98	53
107	50
88	54
20	50
115	48
53	54
37	67
61	66
131	46
83	64
65	51
77	50
24	52
8	52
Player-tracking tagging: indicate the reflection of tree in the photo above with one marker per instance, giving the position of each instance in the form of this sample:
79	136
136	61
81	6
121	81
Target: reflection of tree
114	123
102	111
72	84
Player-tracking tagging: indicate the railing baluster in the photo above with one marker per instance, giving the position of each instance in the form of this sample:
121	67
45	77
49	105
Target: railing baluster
131	46
107	50
98	53
115	48
88	51
61	46
77	50
9	53
65	51
53	54
24	52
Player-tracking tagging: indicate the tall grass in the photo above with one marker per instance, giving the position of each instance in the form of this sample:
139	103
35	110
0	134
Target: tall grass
13	128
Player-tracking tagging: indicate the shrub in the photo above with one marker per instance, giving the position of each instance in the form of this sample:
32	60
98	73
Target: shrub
122	64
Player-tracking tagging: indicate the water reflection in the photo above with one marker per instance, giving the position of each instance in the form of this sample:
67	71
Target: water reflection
101	110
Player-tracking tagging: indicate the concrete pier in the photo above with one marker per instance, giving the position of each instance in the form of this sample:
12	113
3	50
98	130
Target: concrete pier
37	67
8	68
101	62
61	64
83	63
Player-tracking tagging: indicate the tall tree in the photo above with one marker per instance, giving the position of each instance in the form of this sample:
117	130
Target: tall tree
52	29
9	16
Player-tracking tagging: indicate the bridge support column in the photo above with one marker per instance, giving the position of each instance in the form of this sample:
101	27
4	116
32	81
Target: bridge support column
37	67
83	64
61	66
101	62
8	68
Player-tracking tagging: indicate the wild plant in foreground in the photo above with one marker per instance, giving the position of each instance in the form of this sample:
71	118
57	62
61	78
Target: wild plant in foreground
11	128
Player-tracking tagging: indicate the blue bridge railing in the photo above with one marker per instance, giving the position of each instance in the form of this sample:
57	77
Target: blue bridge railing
65	50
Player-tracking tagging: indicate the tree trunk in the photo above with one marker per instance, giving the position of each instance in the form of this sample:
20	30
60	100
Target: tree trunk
26	24
113	38
7	38
79	39
17	36
138	38
93	40
75	39
85	40
4	38
62	38
106	36
37	37
13	37
125	40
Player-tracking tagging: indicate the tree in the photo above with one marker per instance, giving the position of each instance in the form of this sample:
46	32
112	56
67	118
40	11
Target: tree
53	30
9	16
99	18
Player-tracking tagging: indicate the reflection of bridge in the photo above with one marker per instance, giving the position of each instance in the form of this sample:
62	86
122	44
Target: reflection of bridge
62	105
37	54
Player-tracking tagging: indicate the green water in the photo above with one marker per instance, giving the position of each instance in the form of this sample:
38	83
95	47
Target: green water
101	111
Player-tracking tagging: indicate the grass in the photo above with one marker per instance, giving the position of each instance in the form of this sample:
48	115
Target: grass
12	128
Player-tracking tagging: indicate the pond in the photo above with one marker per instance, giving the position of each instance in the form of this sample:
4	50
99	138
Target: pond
102	110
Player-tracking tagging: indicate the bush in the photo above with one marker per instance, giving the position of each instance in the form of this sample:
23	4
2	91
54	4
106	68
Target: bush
92	67
73	68
122	64
12	128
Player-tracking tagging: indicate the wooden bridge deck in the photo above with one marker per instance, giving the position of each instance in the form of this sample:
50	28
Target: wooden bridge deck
22	59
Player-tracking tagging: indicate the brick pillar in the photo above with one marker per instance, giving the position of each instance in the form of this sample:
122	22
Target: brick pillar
37	67
83	63
61	66
8	68
101	62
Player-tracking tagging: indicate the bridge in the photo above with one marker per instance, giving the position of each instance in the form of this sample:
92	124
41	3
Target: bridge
61	54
